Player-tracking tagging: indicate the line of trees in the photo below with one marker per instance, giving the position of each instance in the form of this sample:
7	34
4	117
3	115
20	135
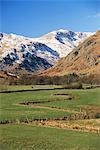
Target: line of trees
46	80
56	80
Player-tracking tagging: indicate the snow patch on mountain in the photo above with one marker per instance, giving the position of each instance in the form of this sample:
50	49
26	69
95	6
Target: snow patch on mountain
13	45
37	53
63	41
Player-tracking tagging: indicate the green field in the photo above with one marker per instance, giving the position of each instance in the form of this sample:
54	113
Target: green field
40	138
18	135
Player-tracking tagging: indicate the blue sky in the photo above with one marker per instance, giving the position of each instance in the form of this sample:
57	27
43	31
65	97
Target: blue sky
34	18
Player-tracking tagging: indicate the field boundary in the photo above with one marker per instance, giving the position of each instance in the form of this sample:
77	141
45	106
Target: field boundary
30	90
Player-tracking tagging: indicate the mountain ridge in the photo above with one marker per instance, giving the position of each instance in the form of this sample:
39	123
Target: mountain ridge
17	50
83	60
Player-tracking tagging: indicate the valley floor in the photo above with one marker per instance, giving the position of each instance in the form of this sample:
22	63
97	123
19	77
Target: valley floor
47	118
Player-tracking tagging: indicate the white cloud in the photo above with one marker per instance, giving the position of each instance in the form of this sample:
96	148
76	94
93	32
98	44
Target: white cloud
97	15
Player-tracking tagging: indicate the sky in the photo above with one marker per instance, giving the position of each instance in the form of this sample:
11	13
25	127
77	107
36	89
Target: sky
34	18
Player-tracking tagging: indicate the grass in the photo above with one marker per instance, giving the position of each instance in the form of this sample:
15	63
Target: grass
9	109
26	87
31	137
84	98
23	137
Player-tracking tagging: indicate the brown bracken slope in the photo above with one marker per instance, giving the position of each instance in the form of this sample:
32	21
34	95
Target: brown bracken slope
83	60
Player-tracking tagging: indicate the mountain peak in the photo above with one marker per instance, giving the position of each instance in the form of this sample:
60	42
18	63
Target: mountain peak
16	49
60	30
83	60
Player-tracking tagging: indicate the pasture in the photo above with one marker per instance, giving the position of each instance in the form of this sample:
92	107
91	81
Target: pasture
41	118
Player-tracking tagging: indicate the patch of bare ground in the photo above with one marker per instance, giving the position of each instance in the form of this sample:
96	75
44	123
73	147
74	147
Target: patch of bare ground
89	125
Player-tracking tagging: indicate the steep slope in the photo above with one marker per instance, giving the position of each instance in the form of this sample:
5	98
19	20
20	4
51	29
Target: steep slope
83	60
35	54
20	53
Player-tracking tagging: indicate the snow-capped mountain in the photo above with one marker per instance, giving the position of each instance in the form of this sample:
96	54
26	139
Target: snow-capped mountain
34	54
84	60
63	41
